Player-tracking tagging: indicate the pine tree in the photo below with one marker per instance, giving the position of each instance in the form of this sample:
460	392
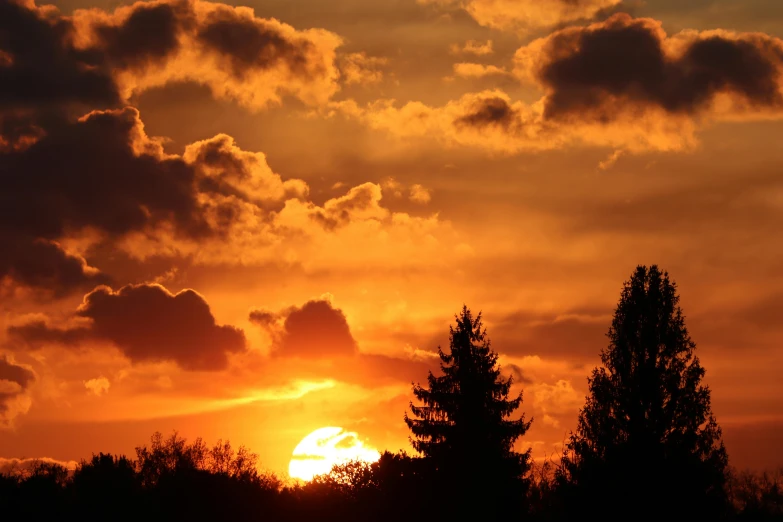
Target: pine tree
647	434
463	426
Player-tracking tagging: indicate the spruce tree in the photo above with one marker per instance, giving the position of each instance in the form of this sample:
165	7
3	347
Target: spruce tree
463	426
646	435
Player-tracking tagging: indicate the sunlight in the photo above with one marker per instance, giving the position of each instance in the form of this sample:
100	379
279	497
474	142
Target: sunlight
321	450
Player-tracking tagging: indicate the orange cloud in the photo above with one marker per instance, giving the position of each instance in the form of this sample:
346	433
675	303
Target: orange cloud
522	16
358	68
420	194
98	386
477	70
491	121
473	47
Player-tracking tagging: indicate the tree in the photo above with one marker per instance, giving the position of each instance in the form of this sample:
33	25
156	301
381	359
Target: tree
463	426
647	434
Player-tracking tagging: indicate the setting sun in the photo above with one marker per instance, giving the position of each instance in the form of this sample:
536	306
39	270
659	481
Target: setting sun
321	450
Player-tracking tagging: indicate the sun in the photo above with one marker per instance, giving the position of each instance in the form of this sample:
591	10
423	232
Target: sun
317	453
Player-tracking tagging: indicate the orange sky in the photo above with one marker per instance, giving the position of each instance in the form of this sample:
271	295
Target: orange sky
252	222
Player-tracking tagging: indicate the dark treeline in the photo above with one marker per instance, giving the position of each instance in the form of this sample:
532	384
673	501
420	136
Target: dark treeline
646	447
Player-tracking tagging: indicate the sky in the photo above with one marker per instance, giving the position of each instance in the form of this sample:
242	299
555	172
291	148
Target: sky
250	221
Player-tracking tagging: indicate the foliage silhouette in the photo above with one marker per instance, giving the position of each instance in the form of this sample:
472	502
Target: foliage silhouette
647	433
757	496
463	429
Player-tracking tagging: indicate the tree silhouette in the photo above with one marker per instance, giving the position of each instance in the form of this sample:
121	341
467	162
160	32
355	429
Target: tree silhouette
647	434
463	426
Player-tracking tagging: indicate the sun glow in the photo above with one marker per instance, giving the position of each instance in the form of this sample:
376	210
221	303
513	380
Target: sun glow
317	453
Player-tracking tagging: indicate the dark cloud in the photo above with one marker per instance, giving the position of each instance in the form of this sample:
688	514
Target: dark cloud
14	382
98	172
262	318
43	264
147	323
148	35
101	173
16	374
252	44
489	111
317	339
44	68
587	69
312	331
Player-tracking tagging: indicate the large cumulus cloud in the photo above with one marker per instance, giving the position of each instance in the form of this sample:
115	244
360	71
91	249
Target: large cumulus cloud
238	55
51	63
631	63
147	323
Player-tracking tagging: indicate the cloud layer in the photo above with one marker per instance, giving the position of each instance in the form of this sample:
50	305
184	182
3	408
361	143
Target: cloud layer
621	83
523	16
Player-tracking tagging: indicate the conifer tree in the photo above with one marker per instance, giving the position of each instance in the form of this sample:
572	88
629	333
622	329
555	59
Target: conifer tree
463	426
647	435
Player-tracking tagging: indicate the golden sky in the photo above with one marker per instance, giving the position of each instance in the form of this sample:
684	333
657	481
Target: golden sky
254	220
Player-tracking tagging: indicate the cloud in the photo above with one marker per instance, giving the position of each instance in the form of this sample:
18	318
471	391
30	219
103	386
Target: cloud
41	68
238	55
100	173
44	265
621	83
419	194
317	339
610	161
473	47
62	181
557	399
98	59
523	16
104	176
358	68
228	170
147	323
98	386
489	120
215	203
15	381
314	330
361	202
627	63
477	70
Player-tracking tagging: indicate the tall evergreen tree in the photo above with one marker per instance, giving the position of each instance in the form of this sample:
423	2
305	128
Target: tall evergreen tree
646	434
463	426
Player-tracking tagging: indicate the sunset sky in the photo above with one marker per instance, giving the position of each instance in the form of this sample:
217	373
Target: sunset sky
254	220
